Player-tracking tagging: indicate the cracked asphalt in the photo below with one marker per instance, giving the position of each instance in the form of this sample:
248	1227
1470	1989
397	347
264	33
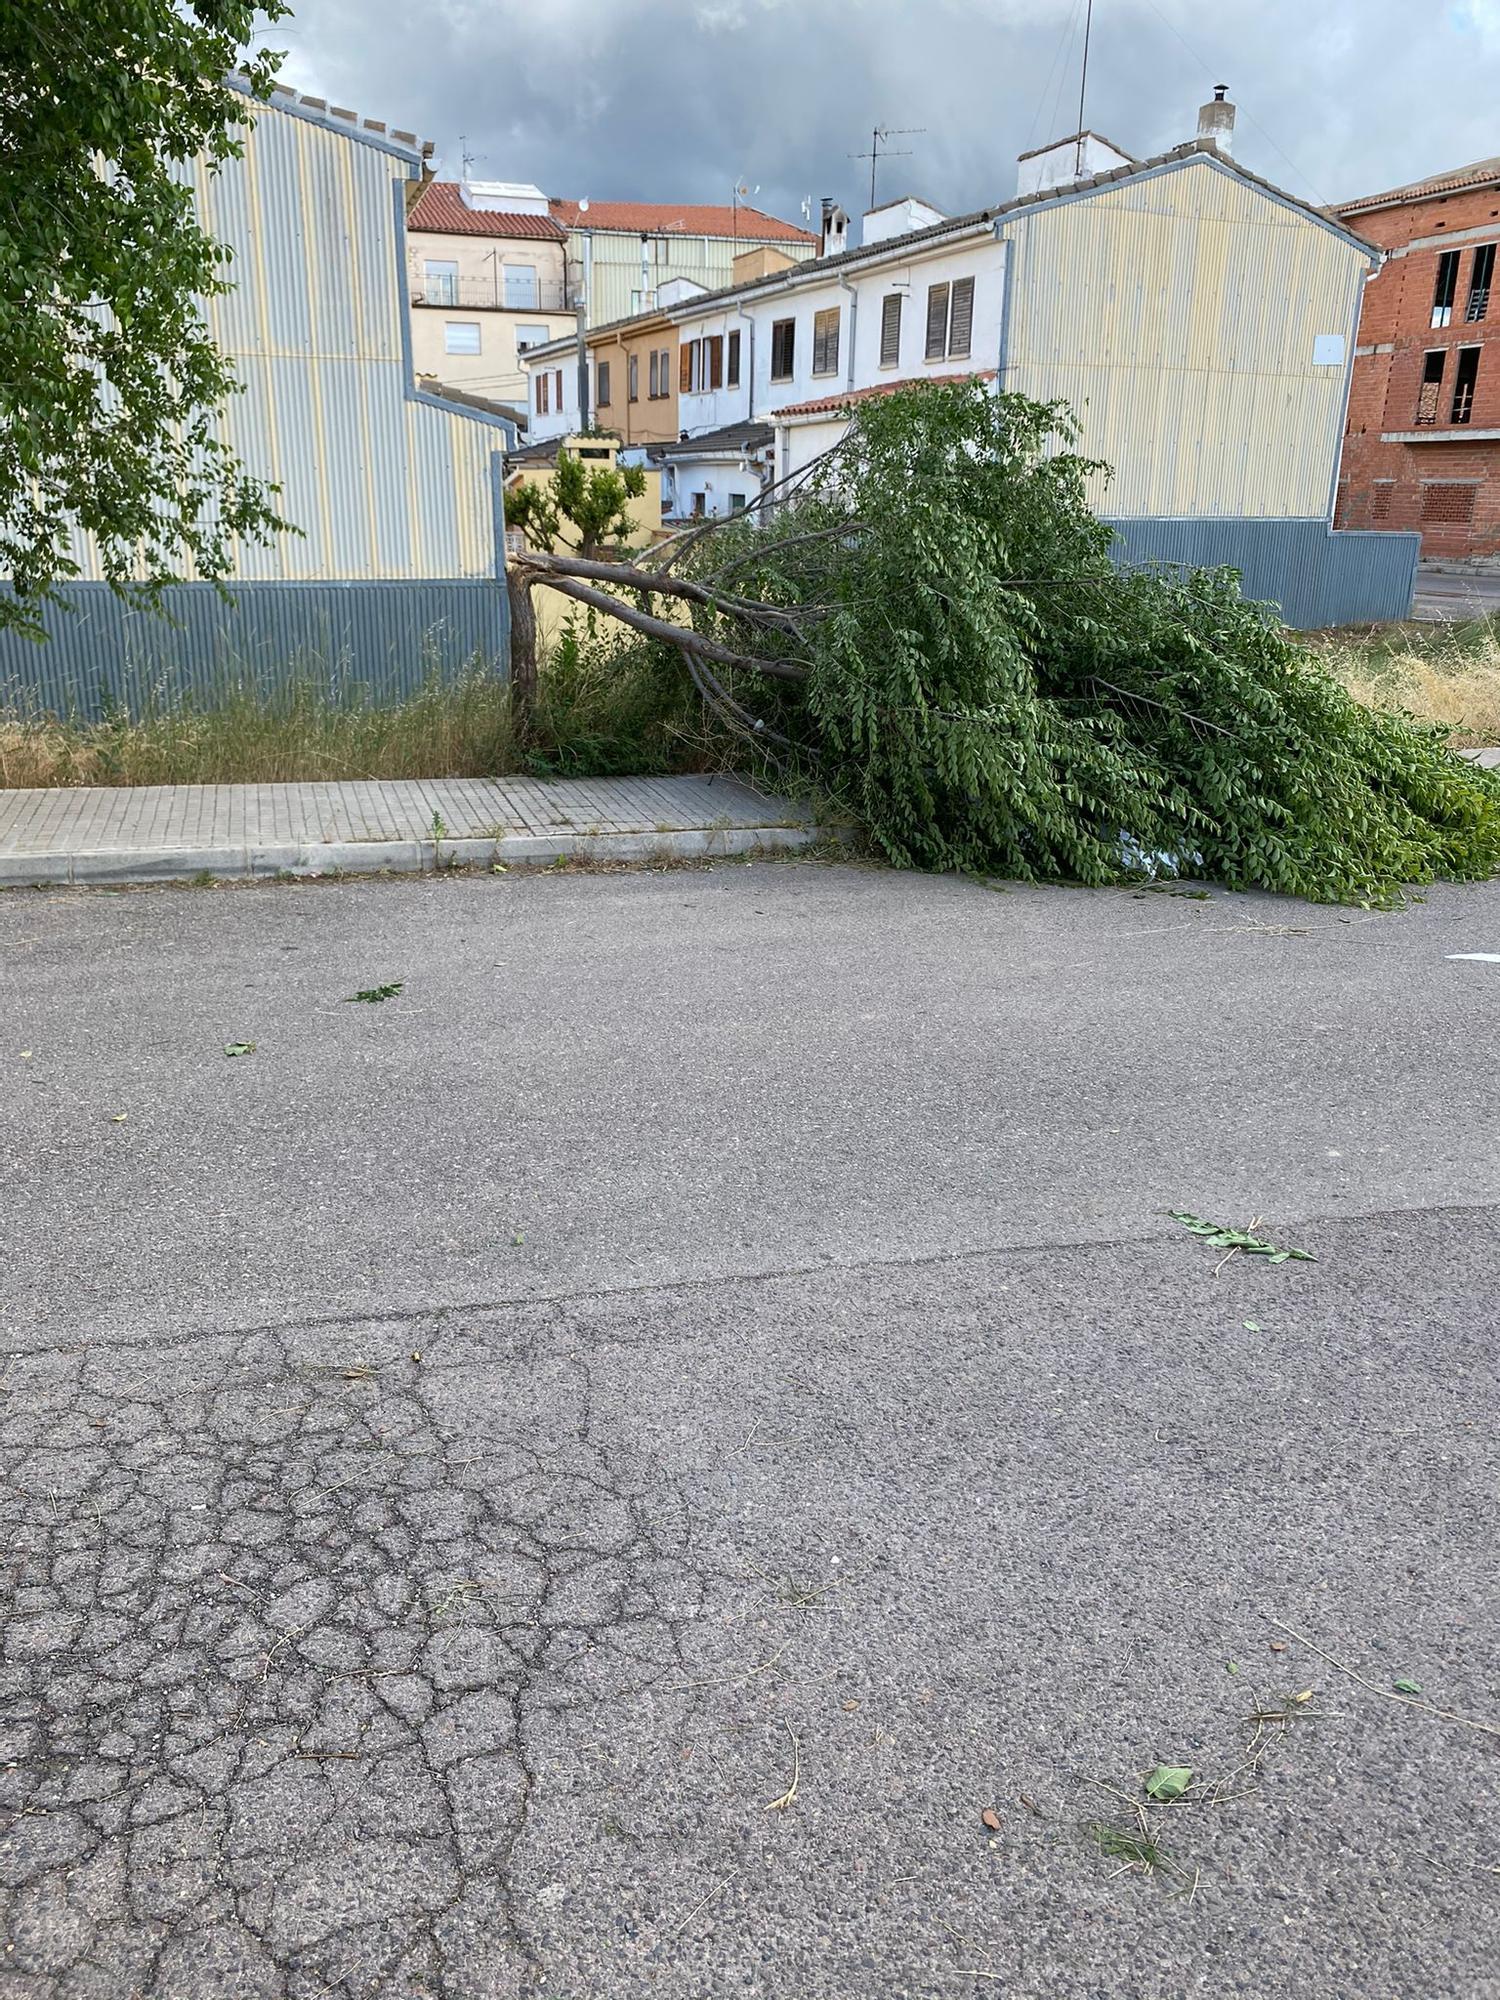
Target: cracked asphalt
848	1446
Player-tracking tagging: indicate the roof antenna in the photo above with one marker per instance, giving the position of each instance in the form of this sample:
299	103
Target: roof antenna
878	138
1083	84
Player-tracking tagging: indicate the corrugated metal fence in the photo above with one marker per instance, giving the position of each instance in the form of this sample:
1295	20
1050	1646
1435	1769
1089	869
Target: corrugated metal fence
380	640
1317	577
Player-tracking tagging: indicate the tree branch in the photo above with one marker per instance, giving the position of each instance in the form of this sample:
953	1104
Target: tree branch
684	637
630	577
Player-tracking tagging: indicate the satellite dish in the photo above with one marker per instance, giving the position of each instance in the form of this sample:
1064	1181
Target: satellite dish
583	206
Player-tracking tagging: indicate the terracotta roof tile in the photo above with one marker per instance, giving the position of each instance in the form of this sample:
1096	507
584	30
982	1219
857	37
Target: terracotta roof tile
667	218
831	405
1476	174
439	207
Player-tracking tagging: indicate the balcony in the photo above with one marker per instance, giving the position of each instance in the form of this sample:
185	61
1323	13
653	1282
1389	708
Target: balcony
491	294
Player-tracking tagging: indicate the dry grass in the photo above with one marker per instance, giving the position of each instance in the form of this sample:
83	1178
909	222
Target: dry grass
1438	673
459	728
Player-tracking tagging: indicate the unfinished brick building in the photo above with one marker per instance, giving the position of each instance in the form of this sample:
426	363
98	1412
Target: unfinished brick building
1422	440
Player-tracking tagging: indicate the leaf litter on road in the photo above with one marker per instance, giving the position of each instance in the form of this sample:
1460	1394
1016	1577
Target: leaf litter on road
1218	1237
374	996
239	1048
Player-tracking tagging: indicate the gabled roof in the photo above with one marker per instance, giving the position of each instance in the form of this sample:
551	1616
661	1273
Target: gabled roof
832	406
1072	139
441	208
749	436
669	218
1477	174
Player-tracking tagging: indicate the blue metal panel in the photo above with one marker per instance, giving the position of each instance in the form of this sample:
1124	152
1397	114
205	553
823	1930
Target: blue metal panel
1316	576
381	638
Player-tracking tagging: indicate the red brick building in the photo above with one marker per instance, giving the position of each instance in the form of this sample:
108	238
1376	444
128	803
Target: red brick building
1422	439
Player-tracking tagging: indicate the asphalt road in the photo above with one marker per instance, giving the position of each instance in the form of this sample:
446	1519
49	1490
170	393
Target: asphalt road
849	1446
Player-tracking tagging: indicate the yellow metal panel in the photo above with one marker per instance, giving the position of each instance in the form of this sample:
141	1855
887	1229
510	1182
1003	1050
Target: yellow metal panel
1176	314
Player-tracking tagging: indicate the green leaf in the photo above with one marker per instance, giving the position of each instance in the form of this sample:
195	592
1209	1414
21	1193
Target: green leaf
374	996
1406	1687
239	1048
1168	1782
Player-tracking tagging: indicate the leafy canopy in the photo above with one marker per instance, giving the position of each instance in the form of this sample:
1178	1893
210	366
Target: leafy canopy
987	693
584	505
109	383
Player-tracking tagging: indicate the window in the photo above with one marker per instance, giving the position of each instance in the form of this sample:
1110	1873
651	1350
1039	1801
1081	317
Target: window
1463	384
461	336
1432	382
890	330
713	359
440	282
666	371
700	504
601	377
937	321
633	378
1446	286
654	375
557	394
950	319
732	374
783	349
961	318
687	367
737	503
1480	279
520	286
826	342
532	336
543	400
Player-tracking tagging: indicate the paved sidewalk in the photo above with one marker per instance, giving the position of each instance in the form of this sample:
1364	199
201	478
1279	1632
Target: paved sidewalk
154	833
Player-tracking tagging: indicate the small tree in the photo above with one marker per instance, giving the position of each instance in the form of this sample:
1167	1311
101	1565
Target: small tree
109	384
586	508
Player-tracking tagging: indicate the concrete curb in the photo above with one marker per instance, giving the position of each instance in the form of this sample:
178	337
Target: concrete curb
112	867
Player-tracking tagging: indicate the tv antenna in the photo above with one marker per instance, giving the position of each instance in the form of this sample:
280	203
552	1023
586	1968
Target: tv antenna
467	160
1083	84
742	192
879	150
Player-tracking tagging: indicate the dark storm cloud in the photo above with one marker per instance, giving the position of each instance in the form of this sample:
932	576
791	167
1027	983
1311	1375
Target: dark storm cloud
675	100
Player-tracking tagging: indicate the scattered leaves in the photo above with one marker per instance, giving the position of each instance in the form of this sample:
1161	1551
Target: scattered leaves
416	1354
1406	1687
1231	1666
519	1237
119	1118
374	995
1217	1237
1305	1697
1031	1805
991	1819
1168	1782
1278	1645
239	1048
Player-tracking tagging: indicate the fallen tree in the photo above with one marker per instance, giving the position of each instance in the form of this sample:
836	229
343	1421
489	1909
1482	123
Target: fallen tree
926	623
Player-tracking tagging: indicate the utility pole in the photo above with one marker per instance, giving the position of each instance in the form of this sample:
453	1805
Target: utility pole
878	137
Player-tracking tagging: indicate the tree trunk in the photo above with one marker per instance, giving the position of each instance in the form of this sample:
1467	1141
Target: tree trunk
518	583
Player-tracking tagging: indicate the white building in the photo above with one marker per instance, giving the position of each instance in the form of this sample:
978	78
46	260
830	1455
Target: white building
1198	321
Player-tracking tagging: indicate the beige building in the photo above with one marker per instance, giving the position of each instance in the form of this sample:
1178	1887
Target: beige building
487	271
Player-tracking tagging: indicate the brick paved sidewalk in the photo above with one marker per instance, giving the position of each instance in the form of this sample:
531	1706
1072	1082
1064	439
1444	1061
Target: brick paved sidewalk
164	832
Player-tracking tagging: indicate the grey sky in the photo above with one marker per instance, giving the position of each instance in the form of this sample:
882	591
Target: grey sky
675	100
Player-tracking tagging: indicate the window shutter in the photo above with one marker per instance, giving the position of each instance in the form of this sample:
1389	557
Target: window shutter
664	388
541	395
734	360
716	361
826	342
937	321
633	377
961	319
558	379
653	372
890	330
685	368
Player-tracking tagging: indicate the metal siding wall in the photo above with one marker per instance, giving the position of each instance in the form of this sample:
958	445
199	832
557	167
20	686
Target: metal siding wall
379	485
382	638
1176	314
1316	577
617	266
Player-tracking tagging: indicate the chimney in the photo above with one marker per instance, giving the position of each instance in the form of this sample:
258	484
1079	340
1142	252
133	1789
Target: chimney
1216	120
834	238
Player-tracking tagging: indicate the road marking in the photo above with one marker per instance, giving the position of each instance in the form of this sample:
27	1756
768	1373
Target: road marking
1483	957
